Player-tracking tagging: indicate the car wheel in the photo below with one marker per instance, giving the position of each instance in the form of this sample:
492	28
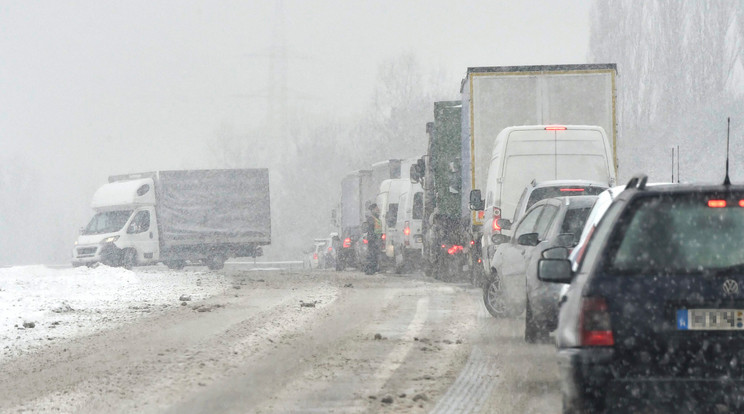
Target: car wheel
494	297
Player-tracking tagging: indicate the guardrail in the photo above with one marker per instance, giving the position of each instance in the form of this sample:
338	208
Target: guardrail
251	264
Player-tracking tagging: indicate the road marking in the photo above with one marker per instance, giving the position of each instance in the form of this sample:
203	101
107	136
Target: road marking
396	357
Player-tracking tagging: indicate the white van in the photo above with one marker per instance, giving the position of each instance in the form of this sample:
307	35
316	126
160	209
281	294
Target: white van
387	201
522	154
407	237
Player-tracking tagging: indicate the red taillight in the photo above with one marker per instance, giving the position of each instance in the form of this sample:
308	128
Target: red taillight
365	241
454	249
347	243
481	214
555	128
383	236
495	225
315	256
594	323
572	190
717	203
480	261
444	246
472	242
330	249
496	217
407	229
741	203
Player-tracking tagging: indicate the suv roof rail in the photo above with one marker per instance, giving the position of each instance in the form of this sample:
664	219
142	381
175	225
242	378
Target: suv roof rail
638	182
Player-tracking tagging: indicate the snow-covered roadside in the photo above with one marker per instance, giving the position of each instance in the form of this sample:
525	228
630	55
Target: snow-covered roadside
39	304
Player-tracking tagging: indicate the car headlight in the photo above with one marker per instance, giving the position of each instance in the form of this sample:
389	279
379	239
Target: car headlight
110	239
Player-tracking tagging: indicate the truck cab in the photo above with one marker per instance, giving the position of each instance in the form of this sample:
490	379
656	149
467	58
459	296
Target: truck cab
124	229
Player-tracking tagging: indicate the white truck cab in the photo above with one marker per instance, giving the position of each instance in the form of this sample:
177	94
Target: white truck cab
124	221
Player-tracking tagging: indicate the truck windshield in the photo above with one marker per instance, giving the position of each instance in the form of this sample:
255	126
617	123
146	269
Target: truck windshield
107	222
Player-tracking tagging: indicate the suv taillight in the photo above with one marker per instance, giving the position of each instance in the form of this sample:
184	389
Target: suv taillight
594	323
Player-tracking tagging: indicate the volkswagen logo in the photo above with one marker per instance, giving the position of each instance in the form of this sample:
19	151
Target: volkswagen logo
730	287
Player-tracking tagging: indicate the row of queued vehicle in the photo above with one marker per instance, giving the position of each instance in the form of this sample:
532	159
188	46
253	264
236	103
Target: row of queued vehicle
513	126
400	200
652	319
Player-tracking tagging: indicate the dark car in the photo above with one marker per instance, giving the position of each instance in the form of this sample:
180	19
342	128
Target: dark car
512	286
655	320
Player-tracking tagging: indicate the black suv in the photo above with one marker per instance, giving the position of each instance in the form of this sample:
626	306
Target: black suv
654	320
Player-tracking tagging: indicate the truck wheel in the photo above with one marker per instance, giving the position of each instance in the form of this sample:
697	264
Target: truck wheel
216	262
129	259
494	297
176	264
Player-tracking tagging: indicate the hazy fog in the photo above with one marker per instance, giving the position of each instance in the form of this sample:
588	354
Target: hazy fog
94	88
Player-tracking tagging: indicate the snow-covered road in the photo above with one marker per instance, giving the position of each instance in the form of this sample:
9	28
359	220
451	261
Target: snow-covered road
261	341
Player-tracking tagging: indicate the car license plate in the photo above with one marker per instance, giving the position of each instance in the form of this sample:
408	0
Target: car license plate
710	319
418	239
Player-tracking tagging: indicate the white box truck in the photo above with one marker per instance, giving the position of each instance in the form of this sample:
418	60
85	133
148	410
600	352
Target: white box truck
495	98
177	218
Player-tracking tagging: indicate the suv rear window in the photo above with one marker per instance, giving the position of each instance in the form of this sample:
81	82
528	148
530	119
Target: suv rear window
678	233
562	191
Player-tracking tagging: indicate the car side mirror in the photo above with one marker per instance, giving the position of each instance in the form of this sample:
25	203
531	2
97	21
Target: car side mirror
498	238
529	239
505	224
476	201
559	252
566	240
554	270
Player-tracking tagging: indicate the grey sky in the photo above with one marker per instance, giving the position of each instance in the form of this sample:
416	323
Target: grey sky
93	88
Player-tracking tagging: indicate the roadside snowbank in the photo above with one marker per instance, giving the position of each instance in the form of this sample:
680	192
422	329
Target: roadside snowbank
39	304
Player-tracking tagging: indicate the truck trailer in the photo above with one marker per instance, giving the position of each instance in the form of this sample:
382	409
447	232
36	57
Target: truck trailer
194	217
495	98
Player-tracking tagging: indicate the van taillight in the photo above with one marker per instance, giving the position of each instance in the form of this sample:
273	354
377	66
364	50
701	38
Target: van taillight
347	243
555	128
496	217
407	229
594	323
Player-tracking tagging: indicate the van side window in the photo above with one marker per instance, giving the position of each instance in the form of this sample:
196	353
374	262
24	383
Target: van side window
140	223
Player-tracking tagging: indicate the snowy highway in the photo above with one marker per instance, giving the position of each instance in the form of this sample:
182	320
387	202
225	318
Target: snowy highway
155	340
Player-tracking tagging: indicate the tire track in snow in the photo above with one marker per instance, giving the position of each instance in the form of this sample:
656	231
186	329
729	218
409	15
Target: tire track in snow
474	385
